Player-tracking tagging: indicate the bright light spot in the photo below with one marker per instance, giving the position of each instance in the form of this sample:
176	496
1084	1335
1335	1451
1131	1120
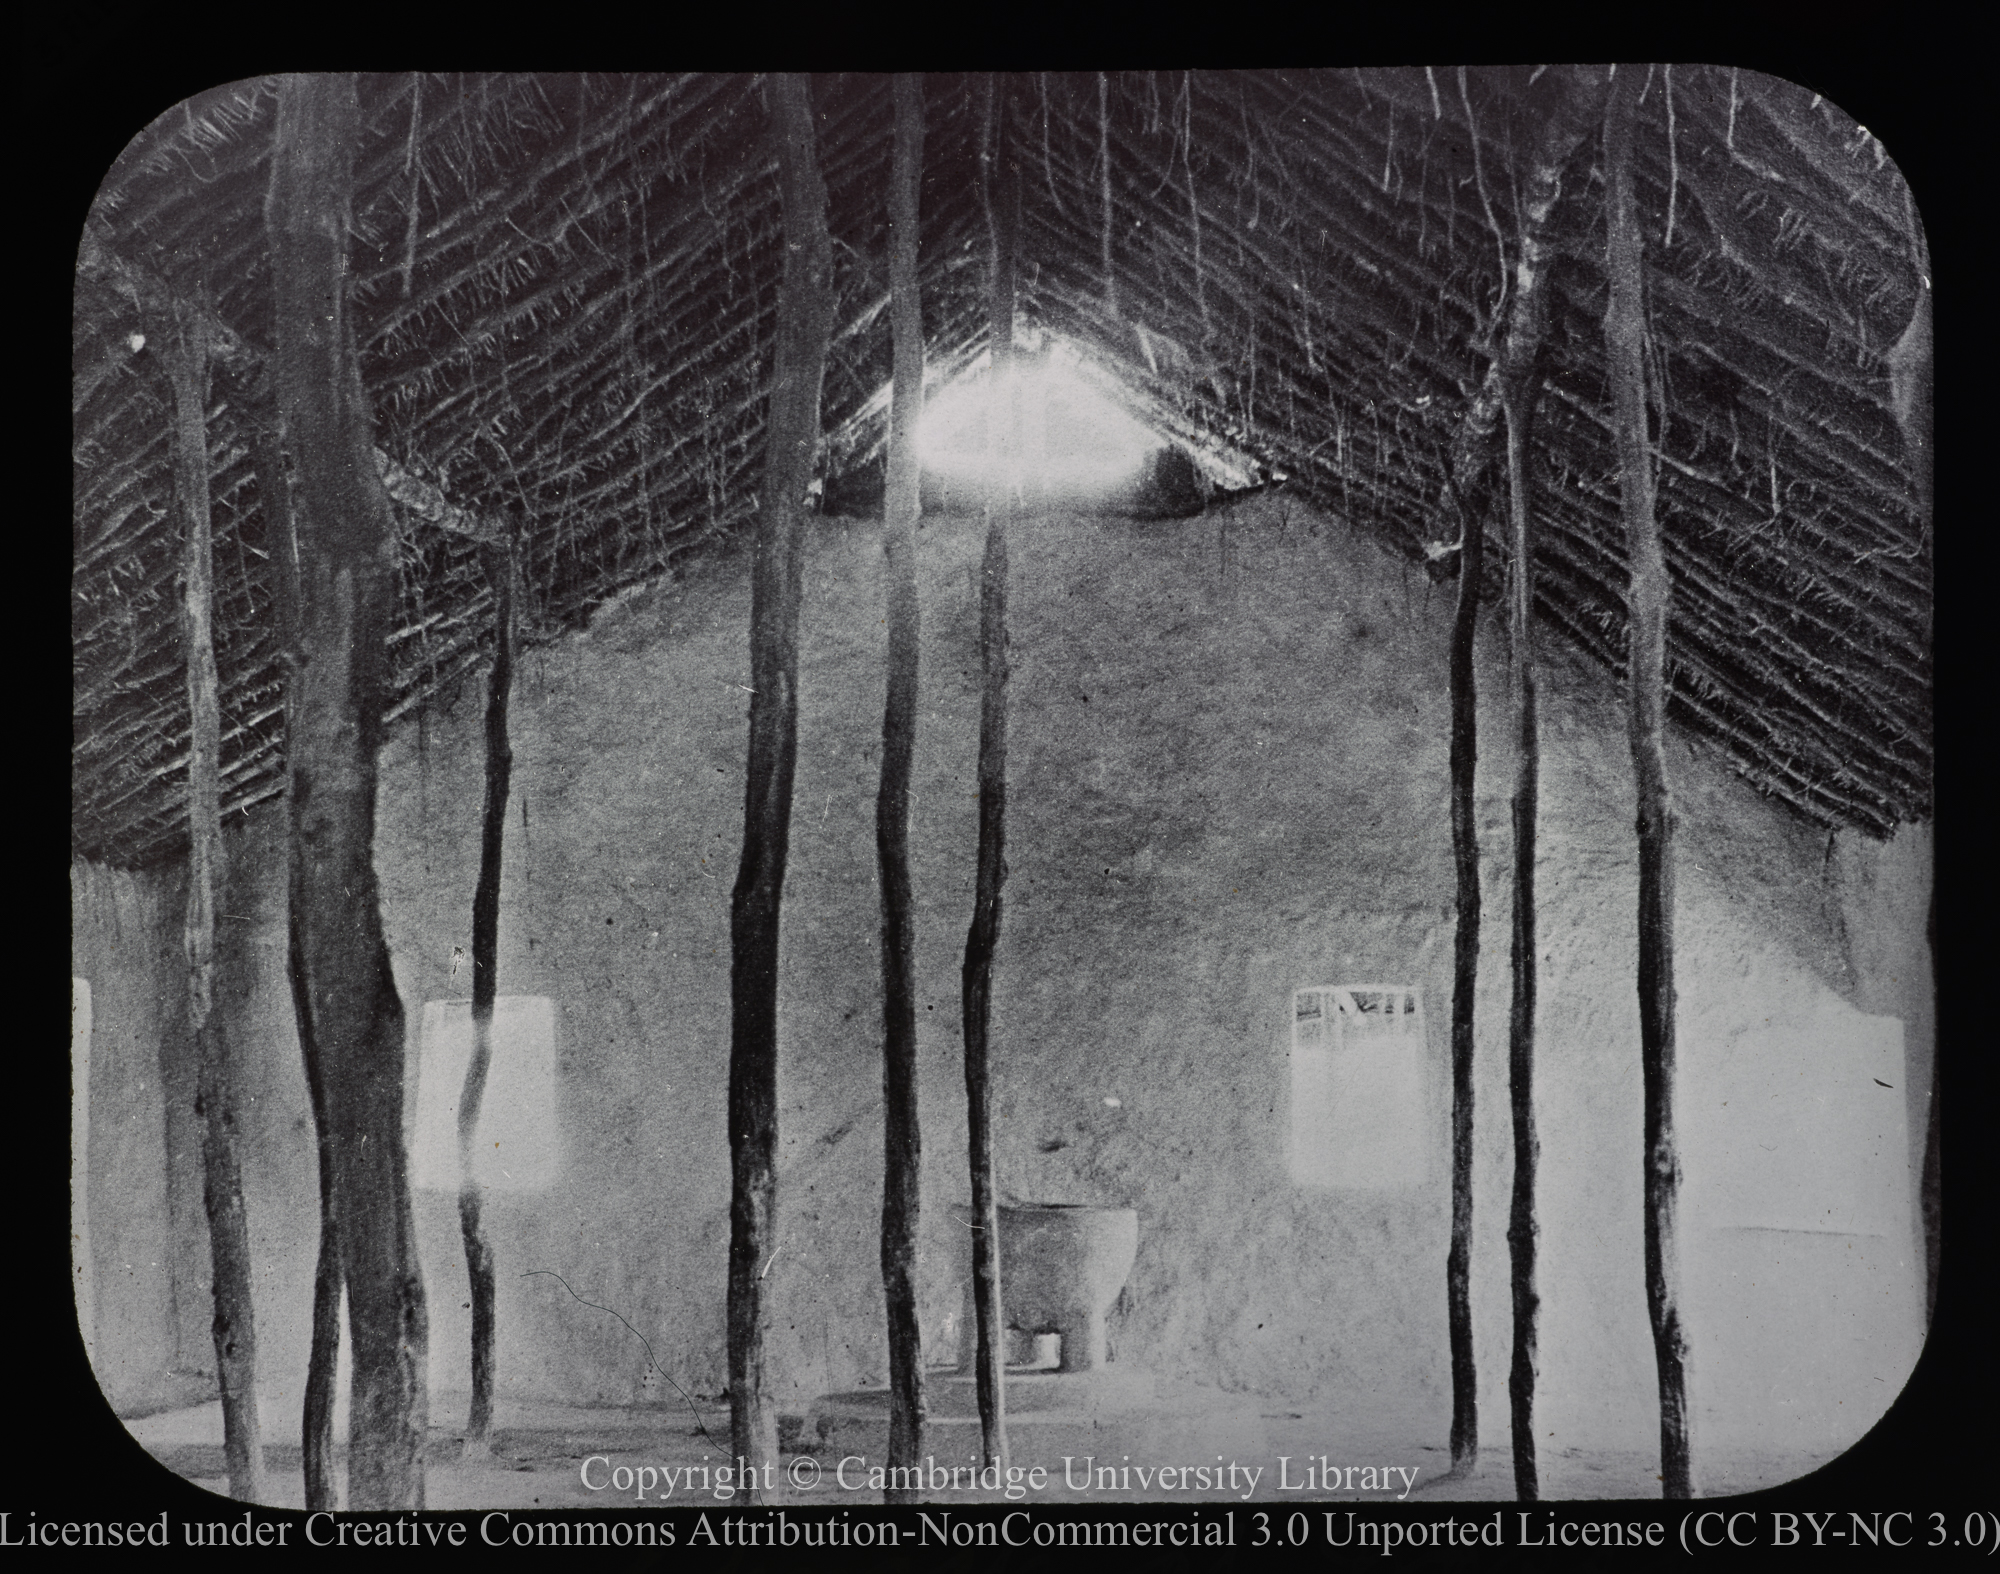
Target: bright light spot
517	1112
1072	437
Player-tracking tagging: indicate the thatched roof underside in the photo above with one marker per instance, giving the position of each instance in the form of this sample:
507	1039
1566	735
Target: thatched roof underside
565	289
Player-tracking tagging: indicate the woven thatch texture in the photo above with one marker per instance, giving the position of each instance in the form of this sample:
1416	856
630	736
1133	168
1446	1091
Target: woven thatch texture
566	290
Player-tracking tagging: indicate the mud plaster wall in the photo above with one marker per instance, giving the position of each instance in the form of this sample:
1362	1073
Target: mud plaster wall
151	1346
1227	779
114	920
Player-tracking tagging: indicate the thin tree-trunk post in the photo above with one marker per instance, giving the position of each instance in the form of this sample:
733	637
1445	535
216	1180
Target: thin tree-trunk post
1625	336
901	505
1465	978
1563	106
805	317
234	1327
323	1357
1522	1229
316	1424
500	571
352	1012
984	934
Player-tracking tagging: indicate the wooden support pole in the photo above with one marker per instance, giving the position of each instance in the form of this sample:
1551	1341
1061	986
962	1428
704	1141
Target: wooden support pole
346	590
1625	346
1465	979
234	1326
998	193
316	1424
499	562
323	1356
902	504
805	318
1506	395
1522	1229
